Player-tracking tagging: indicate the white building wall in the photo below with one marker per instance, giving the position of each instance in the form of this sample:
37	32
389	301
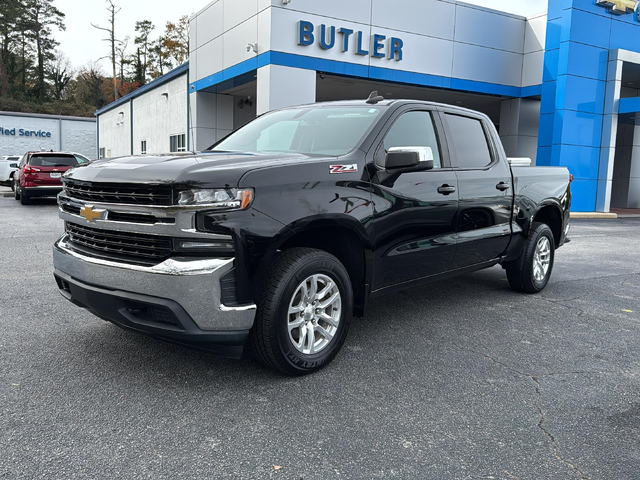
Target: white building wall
158	114
115	131
534	45
441	37
79	137
67	133
519	126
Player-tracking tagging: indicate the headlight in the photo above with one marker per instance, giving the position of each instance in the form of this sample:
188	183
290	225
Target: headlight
219	199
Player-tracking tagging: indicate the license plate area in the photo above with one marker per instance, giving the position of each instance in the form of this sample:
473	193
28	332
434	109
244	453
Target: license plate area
55	175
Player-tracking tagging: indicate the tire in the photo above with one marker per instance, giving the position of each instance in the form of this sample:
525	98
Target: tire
527	274
24	199
11	182
283	349
16	192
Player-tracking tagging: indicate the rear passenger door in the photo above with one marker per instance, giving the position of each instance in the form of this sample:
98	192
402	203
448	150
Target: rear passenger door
484	186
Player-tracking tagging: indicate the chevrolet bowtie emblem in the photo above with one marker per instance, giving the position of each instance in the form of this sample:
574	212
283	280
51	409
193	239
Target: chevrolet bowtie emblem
91	214
619	7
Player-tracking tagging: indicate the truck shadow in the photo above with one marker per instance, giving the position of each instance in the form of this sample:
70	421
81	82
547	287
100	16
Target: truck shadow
387	323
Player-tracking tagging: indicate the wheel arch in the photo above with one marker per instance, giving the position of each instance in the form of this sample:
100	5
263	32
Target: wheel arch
342	236
550	213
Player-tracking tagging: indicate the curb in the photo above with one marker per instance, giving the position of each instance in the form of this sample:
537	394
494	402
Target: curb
596	215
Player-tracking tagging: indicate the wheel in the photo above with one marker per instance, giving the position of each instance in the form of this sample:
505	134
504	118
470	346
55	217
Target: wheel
16	191
304	312
11	182
531	273
24	198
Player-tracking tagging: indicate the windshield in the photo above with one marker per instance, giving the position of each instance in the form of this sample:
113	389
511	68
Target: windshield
331	131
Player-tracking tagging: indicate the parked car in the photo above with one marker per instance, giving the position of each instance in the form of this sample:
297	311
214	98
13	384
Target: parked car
8	165
39	174
286	228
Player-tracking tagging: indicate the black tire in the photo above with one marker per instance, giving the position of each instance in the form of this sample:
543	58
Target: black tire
269	338
16	192
24	199
521	272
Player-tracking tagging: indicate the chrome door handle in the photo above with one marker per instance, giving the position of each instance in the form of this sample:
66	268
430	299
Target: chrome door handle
446	189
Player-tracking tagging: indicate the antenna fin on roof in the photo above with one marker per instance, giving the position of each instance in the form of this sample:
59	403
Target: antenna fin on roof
374	98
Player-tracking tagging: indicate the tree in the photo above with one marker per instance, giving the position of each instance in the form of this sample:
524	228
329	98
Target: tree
176	40
42	15
11	14
123	58
61	75
113	11
90	83
159	58
138	70
144	29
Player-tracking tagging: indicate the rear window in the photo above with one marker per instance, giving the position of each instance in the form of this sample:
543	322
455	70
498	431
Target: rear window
53	161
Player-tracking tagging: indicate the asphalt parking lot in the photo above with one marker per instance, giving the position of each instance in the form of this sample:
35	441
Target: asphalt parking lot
462	379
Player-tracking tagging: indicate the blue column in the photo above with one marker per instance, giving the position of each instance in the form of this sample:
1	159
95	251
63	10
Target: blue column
573	93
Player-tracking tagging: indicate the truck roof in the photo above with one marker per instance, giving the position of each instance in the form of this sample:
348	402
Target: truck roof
387	103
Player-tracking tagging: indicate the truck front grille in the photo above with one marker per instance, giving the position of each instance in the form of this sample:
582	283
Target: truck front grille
125	246
122	194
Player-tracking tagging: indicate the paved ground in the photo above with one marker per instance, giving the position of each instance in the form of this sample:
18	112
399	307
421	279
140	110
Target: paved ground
462	379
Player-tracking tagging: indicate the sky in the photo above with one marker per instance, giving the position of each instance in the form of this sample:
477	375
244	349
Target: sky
82	43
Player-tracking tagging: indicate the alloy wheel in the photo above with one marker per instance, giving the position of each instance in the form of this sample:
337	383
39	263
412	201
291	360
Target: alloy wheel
314	314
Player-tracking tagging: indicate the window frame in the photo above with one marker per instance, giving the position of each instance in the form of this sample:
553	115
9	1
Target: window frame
493	152
178	136
143	147
379	156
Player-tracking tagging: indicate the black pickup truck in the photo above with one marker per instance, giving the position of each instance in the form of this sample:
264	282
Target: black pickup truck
283	231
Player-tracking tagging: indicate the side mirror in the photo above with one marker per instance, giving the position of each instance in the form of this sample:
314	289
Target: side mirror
419	158
13	165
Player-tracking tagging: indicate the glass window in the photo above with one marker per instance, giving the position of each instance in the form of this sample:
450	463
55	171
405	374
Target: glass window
414	129
143	147
101	153
330	131
81	159
177	143
469	141
40	160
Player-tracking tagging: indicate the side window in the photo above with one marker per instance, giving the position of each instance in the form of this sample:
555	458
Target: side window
81	159
469	141
414	129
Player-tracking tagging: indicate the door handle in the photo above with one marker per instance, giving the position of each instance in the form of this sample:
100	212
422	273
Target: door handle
446	189
503	186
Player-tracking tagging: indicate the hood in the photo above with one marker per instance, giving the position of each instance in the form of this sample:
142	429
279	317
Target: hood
205	169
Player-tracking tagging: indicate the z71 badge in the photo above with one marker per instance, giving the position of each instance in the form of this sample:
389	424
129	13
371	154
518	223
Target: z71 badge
343	168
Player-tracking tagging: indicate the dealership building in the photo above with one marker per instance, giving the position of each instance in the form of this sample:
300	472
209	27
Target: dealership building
25	132
563	87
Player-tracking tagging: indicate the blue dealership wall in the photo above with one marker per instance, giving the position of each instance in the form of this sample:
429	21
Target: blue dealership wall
580	35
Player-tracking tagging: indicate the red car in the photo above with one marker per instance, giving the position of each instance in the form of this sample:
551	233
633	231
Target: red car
39	174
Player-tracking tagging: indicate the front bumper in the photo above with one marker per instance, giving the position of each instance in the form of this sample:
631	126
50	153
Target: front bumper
178	299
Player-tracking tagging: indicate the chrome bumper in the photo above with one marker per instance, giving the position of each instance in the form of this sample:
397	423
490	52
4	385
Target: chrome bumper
192	283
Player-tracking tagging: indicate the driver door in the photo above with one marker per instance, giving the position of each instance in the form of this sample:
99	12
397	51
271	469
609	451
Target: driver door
414	212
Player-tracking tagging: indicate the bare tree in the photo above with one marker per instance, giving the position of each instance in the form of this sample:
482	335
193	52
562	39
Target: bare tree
113	11
123	57
61	74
